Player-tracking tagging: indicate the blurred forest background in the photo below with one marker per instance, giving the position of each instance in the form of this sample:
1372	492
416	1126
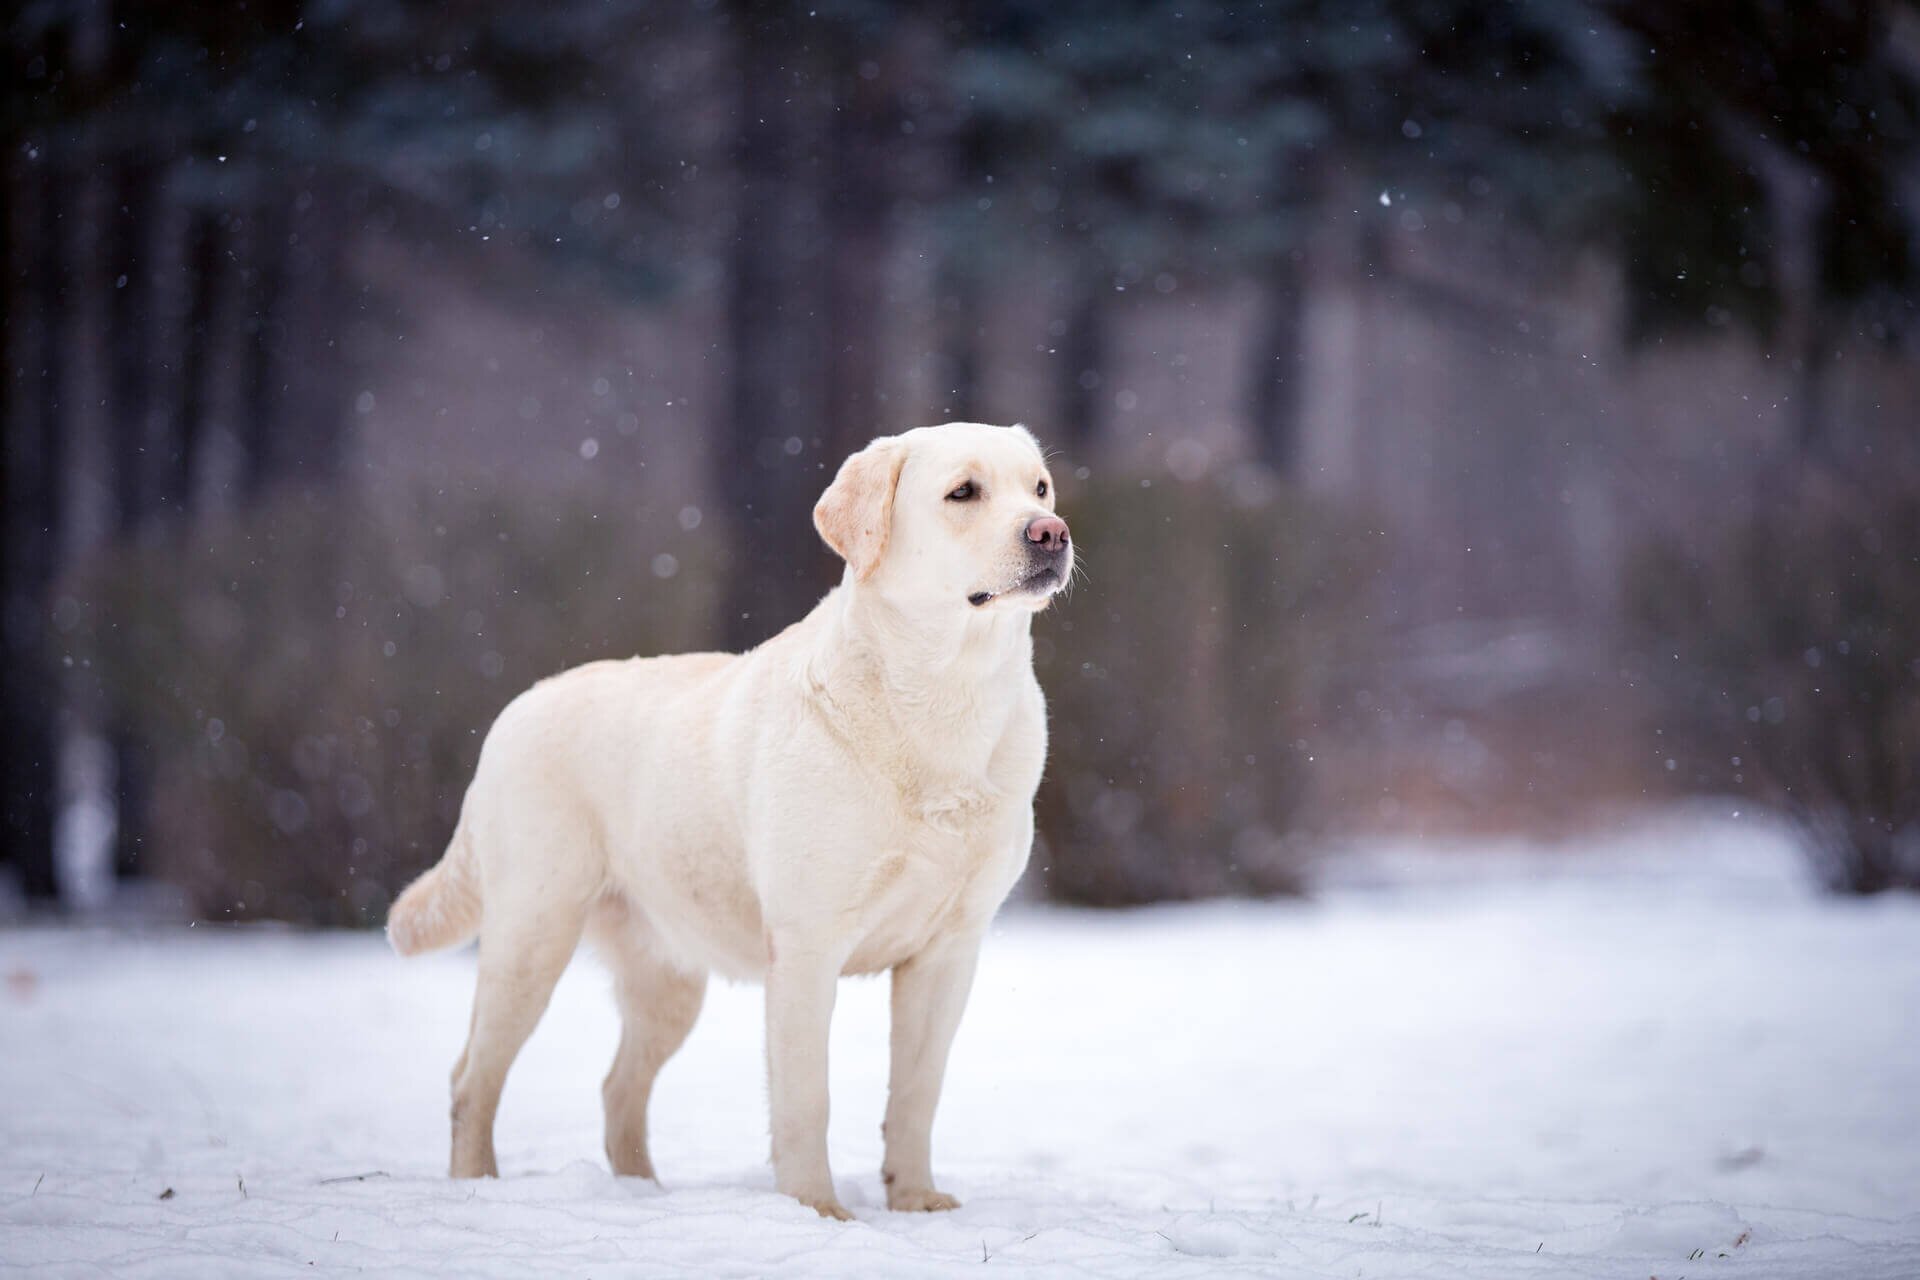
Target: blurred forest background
1478	417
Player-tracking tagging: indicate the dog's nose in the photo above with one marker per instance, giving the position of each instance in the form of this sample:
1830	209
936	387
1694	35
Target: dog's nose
1049	533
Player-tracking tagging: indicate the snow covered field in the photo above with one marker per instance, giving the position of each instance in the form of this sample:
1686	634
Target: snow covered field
1614	1075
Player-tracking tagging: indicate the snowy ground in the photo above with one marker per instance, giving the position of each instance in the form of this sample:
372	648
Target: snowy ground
1614	1075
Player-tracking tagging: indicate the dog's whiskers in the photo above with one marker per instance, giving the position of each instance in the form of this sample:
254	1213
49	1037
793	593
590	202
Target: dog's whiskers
1078	573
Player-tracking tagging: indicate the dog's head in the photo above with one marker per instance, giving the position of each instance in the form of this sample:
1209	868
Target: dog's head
959	515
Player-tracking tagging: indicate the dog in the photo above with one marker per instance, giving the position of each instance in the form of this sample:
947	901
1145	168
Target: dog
853	796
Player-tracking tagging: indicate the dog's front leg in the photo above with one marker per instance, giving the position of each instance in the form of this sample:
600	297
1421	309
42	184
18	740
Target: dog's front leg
800	992
929	993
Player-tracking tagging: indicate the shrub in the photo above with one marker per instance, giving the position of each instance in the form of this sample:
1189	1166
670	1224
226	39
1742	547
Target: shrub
1187	678
1789	646
312	680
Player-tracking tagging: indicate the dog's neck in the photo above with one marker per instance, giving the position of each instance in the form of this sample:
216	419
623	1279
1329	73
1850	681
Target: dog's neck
958	672
920	653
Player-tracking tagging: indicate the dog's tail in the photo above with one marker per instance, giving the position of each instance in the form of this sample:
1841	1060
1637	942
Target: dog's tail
442	908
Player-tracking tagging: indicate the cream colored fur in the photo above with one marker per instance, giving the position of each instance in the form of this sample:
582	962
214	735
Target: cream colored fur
854	795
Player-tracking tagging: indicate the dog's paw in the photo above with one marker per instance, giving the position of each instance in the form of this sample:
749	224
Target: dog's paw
827	1208
925	1200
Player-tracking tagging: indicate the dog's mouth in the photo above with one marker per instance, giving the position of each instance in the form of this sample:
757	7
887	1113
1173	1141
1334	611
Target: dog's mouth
1043	581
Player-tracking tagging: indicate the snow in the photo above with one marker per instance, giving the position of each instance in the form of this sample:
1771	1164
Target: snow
1623	1074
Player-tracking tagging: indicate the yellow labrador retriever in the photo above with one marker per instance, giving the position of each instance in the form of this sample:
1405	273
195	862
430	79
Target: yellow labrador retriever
854	795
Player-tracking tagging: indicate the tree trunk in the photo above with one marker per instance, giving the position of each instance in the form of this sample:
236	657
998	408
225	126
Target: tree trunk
319	308
772	459
261	393
857	241
1274	372
1813	434
958	301
1083	358
128	340
196	365
35	517
130	432
12	357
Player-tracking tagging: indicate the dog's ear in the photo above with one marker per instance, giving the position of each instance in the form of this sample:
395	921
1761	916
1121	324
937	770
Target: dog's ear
855	514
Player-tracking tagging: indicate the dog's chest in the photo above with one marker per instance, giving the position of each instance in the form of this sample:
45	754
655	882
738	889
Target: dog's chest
956	850
956	825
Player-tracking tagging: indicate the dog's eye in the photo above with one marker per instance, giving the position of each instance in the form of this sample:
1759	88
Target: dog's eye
1041	492
965	493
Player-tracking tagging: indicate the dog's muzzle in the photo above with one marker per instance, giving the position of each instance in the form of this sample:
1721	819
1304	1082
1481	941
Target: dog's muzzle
1049	552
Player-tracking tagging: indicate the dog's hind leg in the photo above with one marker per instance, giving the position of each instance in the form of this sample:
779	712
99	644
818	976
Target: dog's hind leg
658	1006
528	934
